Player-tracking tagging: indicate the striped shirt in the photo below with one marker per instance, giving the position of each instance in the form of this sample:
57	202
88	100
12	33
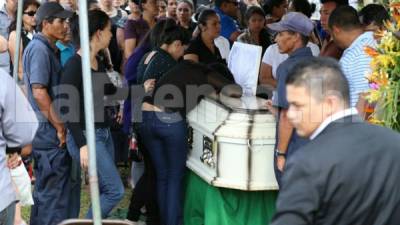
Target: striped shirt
355	64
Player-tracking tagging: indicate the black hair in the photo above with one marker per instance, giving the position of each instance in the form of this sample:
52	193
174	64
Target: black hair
141	2
254	10
344	17
270	4
205	15
155	34
26	4
172	32
98	20
338	2
303	6
373	13
187	2
318	75
50	19
218	3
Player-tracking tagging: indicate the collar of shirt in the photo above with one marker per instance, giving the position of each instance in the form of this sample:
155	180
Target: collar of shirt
45	41
63	47
334	117
304	51
364	37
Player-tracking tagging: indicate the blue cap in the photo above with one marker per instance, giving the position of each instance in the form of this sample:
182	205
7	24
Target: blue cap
294	21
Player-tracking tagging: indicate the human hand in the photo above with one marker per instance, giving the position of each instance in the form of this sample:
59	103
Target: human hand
149	85
280	162
62	136
84	156
13	160
271	108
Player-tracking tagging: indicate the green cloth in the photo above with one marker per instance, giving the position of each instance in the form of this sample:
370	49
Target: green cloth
208	205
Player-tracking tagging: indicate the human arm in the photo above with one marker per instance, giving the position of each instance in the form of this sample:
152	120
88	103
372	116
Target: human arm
131	36
266	78
3	44
130	45
12	49
285	131
191	57
18	120
234	36
44	103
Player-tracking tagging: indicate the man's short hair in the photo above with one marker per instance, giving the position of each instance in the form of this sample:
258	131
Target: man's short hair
321	76
344	17
218	3
338	2
373	13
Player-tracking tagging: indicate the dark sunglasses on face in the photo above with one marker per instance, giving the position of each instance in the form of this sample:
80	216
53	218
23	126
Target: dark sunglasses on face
30	13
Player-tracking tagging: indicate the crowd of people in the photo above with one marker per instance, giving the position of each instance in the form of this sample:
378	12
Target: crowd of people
143	56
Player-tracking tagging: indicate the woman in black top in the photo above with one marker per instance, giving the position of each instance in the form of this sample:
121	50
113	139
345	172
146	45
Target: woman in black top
71	87
184	12
28	29
172	42
164	130
202	48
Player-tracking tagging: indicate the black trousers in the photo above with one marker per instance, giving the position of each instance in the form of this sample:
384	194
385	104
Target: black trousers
145	191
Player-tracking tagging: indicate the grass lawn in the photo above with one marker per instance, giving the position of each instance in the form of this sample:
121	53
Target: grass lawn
119	211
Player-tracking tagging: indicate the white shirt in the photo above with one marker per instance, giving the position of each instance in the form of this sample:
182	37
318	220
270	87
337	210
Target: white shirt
330	119
223	46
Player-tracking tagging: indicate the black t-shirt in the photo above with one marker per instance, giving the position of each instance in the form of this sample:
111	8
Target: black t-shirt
198	48
193	80
71	91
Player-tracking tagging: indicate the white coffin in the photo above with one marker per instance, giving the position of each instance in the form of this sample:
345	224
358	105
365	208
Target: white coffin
232	143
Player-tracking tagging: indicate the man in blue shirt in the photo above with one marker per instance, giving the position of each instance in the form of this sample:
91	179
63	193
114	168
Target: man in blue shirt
293	32
348	33
227	10
42	72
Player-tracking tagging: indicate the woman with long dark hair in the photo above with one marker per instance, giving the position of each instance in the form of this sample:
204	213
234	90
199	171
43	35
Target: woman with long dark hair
255	34
110	184
29	9
202	48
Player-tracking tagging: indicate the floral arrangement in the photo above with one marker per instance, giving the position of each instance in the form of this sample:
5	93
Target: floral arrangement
384	80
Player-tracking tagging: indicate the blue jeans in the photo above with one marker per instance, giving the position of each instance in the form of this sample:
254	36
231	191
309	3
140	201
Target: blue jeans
165	137
110	183
7	215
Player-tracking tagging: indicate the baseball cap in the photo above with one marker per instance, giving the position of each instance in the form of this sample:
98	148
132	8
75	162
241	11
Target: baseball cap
294	21
51	9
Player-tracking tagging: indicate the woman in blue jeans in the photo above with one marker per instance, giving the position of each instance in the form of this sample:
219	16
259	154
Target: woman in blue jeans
164	128
71	87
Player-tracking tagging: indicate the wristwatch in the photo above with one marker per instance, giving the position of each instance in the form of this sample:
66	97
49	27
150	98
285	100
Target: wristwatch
279	153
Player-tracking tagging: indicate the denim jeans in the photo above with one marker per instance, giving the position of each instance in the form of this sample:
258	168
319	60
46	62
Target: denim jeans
110	183
7	215
165	137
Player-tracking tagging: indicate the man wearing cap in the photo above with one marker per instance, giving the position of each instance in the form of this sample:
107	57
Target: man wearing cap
42	71
293	32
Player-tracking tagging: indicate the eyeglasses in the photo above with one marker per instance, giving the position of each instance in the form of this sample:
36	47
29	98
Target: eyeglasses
30	13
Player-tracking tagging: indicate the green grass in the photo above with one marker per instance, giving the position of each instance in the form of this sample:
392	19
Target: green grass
119	211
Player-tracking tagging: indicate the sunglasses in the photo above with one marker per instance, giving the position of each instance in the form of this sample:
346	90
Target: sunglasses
30	13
